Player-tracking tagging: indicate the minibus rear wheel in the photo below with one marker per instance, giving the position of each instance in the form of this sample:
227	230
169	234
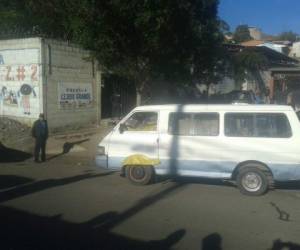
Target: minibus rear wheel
140	175
252	181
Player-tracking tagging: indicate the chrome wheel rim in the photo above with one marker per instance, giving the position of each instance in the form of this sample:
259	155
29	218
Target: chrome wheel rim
252	182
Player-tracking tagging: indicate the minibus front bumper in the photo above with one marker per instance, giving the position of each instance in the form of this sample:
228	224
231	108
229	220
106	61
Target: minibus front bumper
101	161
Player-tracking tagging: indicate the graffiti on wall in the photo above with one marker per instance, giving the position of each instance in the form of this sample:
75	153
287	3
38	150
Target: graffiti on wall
19	82
75	95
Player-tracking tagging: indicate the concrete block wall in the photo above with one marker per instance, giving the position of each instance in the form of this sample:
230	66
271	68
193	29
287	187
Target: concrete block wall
71	65
21	65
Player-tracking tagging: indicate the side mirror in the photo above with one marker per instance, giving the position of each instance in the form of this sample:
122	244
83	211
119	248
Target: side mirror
112	123
122	128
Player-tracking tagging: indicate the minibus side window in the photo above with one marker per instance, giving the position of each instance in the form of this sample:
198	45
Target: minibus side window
270	125
239	125
142	121
194	124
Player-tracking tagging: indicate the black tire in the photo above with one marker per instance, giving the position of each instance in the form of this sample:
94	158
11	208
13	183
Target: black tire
252	181
140	175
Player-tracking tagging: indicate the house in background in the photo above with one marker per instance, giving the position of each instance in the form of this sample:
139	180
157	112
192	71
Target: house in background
279	46
283	74
281	77
261	39
295	50
255	33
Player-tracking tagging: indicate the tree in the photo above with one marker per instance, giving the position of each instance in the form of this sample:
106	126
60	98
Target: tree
241	34
138	39
249	61
224	27
11	18
144	39
25	18
288	36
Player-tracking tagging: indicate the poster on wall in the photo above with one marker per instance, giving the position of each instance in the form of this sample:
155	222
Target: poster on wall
75	95
19	82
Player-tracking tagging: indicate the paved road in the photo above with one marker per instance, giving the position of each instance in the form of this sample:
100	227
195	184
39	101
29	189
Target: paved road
66	203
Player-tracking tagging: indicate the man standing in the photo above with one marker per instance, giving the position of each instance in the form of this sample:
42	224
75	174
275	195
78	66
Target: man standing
258	99
40	133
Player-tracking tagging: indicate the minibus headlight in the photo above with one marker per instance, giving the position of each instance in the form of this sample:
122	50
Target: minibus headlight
101	150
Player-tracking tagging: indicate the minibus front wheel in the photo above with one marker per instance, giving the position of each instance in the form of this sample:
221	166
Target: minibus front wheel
252	181
139	174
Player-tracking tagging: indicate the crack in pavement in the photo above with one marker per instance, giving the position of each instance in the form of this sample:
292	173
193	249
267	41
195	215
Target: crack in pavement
283	215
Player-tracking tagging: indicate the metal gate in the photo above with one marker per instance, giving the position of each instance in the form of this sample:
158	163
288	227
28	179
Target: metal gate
118	96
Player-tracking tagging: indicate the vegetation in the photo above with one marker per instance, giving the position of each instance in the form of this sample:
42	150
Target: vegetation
137	39
141	40
288	36
252	62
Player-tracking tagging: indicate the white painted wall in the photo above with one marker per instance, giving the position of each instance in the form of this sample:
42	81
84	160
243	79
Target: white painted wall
21	79
51	71
255	33
295	51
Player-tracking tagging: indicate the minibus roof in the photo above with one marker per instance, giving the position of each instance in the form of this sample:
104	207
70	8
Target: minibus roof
215	107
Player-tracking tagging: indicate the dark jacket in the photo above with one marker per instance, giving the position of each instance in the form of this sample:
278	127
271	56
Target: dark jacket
40	129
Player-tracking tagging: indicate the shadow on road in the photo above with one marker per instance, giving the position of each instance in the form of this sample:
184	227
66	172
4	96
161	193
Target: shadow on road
8	155
66	148
37	186
8	181
281	245
205	181
289	185
212	242
22	230
195	180
12	155
142	204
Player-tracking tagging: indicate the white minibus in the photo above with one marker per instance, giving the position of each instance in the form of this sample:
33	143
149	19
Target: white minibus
251	145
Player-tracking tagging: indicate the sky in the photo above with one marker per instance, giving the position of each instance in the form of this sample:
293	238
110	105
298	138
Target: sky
271	16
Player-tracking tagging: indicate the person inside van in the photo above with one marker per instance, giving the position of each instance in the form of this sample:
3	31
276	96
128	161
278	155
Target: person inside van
258	99
142	122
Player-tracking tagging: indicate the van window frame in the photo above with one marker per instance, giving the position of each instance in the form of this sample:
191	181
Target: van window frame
254	113
195	113
142	131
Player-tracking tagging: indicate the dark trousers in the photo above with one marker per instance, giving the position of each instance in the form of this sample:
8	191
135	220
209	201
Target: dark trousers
40	146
